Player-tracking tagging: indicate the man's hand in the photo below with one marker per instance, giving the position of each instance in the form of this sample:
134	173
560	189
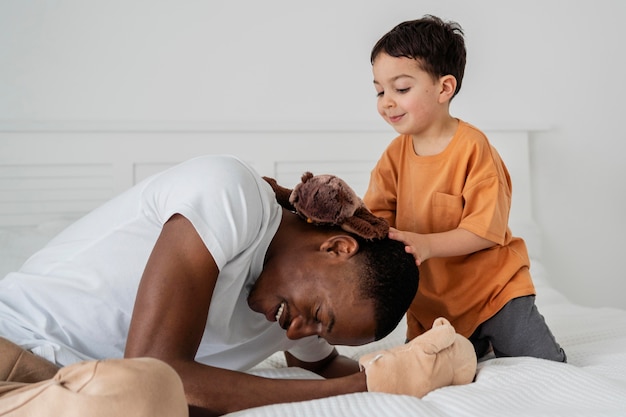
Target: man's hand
333	366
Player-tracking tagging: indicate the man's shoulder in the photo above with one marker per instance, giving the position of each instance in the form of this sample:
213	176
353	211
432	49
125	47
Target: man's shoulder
225	162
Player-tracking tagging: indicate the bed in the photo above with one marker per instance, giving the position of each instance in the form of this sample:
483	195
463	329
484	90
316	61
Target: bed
52	175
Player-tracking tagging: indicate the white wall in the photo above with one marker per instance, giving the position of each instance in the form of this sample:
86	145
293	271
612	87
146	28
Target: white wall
553	65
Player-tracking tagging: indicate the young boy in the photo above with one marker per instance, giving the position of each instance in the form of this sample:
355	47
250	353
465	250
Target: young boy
447	194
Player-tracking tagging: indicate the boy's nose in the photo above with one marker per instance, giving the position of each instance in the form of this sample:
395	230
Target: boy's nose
387	102
299	328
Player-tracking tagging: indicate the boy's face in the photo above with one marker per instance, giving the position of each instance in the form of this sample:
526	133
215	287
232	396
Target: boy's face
408	98
310	298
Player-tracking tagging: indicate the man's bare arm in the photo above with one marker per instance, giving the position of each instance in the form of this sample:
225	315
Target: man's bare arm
334	366
168	322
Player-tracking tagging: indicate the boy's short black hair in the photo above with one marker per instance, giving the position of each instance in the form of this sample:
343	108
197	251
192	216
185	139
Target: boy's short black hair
390	279
437	46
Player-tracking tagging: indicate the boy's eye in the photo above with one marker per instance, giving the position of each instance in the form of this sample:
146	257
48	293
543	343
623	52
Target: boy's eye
379	93
403	90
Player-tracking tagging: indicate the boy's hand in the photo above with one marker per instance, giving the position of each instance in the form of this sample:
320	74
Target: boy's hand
455	242
416	244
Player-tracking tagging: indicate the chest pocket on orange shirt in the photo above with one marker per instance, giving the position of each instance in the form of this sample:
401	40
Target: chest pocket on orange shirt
447	212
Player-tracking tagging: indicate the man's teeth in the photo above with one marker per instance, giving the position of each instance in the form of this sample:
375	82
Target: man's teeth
280	311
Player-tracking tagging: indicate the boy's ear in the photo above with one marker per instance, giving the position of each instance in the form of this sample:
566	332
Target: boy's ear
340	245
448	87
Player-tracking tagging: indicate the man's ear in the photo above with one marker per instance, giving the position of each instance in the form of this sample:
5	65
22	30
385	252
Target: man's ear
340	245
447	85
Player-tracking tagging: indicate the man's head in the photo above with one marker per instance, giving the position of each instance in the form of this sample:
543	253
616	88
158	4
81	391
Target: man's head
437	46
322	281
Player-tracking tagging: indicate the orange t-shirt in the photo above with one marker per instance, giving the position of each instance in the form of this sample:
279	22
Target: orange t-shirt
466	186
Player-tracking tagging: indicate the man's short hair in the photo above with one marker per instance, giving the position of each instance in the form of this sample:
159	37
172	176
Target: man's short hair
390	279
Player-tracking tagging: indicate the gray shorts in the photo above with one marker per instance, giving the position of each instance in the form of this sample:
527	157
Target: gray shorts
518	329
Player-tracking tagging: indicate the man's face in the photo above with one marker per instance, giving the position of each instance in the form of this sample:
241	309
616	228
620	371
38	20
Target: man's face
318	300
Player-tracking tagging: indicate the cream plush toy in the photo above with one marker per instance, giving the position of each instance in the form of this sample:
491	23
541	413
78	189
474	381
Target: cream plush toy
435	359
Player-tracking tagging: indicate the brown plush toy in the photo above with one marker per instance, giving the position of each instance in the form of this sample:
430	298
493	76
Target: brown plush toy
439	357
327	200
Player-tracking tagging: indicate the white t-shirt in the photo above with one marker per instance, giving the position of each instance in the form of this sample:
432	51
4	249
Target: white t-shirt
73	300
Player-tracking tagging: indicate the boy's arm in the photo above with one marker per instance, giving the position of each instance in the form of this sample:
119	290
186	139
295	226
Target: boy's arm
455	242
169	317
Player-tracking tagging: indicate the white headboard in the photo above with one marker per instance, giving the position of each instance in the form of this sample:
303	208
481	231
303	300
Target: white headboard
65	170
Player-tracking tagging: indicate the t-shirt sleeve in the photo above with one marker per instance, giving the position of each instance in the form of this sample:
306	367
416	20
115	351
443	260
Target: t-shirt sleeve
381	195
219	195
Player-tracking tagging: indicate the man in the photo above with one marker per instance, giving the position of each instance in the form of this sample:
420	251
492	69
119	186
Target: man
201	268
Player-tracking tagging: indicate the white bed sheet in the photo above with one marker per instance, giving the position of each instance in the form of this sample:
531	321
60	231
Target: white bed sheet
592	384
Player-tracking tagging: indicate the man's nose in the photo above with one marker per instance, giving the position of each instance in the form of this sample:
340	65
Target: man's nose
300	327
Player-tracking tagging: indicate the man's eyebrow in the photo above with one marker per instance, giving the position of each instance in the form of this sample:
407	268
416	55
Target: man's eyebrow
331	323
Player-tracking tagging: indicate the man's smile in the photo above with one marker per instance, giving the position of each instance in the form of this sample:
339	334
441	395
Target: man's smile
280	312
